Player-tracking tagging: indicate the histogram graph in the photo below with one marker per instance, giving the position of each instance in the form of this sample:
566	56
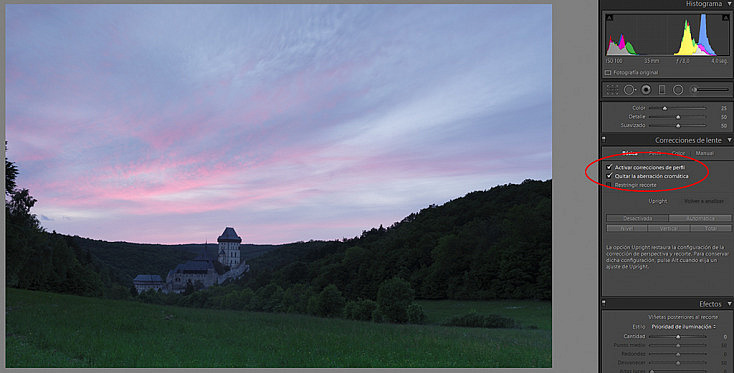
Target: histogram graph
667	34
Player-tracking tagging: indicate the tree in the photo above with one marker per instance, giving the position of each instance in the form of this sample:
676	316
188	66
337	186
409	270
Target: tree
416	314
268	298
393	299
360	310
190	289
330	302
295	272
295	298
24	237
11	172
36	259
236	299
486	245
19	207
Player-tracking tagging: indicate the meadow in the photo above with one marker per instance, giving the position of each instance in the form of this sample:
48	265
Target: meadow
56	330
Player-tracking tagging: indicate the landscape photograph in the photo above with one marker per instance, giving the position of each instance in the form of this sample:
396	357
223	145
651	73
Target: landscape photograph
278	186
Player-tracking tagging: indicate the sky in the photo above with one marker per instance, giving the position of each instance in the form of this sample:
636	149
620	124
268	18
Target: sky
168	123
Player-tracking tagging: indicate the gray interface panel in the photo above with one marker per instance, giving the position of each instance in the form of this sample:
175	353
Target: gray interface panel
665	175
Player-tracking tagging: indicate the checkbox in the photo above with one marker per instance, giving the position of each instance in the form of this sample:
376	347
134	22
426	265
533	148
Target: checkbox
609	175
609	167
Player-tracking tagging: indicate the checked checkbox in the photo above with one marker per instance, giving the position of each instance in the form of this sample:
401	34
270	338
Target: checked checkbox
609	175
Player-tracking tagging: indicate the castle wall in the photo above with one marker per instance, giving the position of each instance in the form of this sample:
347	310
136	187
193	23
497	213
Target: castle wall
231	253
178	281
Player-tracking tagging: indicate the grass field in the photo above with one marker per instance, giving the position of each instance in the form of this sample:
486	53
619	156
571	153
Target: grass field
54	330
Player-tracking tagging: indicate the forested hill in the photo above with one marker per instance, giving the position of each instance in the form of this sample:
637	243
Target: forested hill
486	245
131	259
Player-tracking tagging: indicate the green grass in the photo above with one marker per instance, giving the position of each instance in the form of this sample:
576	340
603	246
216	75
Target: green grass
54	330
526	312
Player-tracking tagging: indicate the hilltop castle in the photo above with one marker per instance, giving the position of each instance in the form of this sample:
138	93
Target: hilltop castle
229	248
203	269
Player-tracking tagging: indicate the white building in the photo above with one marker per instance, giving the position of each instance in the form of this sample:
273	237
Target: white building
229	248
148	282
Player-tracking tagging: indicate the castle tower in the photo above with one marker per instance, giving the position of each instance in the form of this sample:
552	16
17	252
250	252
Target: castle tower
229	248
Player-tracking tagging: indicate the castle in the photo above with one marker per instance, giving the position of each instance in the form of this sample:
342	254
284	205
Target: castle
229	248
203	269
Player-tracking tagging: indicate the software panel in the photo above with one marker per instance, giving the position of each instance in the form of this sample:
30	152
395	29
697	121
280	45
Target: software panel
666	187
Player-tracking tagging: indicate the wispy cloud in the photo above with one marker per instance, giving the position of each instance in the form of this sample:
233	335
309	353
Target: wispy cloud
165	123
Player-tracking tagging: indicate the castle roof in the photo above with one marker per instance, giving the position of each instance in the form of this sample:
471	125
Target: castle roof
200	264
194	266
203	255
229	235
148	278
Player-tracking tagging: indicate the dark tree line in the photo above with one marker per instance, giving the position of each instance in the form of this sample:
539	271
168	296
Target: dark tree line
394	301
131	259
493	244
38	260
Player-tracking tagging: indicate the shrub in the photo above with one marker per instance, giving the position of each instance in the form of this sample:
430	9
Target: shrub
377	316
312	306
330	302
416	314
197	299
295	299
268	298
360	310
150	296
475	320
237	300
393	298
349	309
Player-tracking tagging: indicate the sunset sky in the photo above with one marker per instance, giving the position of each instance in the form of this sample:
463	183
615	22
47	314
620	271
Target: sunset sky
167	123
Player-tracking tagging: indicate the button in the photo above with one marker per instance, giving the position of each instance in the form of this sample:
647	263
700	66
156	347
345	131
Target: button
646	89
700	218
710	228
661	89
612	89
637	218
678	89
668	228
629	89
626	228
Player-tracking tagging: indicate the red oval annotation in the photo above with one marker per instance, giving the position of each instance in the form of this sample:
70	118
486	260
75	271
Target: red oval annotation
586	172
